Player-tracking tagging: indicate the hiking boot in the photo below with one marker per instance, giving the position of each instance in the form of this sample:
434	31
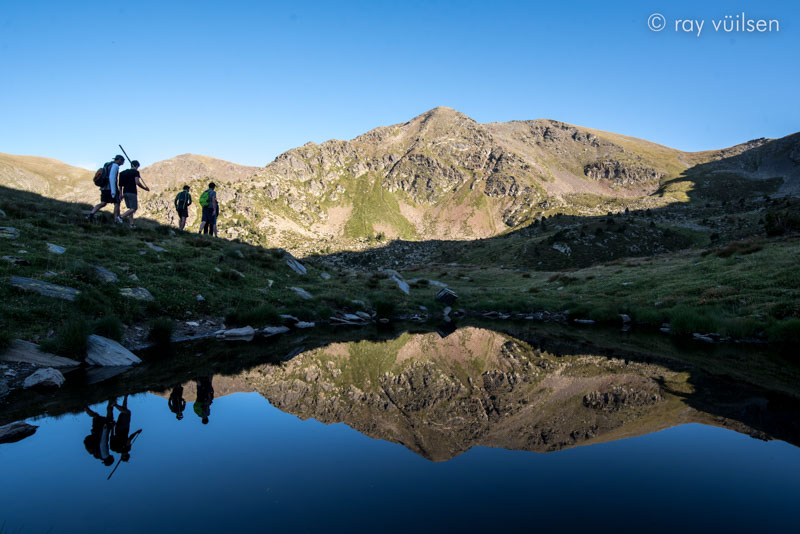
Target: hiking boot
90	217
132	226
118	219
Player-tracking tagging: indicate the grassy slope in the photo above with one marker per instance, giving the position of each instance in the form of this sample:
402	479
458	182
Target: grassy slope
742	291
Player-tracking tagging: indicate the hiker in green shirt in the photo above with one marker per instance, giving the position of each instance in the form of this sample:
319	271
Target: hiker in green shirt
182	203
210	210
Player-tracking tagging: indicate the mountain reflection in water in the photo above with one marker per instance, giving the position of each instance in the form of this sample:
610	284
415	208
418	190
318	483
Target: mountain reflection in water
442	396
208	453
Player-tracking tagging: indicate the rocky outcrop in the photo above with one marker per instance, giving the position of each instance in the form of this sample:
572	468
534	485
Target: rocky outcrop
25	352
623	174
44	288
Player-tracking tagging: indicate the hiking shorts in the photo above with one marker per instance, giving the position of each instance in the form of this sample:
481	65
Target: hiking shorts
209	216
131	201
105	196
183	212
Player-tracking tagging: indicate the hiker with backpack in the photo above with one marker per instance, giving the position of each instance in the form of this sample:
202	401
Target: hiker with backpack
106	179
129	182
208	200
182	203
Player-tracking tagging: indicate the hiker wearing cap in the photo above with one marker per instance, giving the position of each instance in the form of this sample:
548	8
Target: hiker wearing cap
210	210
109	191
129	182
182	203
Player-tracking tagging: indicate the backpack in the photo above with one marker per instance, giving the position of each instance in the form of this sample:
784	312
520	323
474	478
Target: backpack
101	176
182	200
204	199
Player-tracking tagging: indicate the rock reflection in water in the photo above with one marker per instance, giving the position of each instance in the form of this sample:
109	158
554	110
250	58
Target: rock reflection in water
441	396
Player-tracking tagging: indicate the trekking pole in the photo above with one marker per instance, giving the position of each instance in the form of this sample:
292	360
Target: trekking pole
120	456
129	160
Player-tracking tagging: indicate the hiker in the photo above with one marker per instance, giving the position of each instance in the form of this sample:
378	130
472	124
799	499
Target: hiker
96	442
205	397
176	402
120	441
109	193
210	210
129	182
182	203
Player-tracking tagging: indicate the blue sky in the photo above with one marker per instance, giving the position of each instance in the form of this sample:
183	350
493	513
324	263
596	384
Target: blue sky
245	81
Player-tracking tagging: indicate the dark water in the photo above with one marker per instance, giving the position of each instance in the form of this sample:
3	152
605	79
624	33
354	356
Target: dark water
411	441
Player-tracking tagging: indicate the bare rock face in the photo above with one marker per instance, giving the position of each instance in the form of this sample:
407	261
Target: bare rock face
622	174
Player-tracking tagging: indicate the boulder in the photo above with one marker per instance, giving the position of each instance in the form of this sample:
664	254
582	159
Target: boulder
703	337
26	352
105	275
626	319
273	330
7	232
325	276
584	321
402	284
44	288
295	265
133	277
3	389
106	352
14	432
304	324
47	377
56	249
245	333
138	293
446	296
302	292
154	248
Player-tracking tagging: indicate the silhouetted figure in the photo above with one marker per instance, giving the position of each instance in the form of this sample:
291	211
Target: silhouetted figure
176	402
121	442
97	442
205	396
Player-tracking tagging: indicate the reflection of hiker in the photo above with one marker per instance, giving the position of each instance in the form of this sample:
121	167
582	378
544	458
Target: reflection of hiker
205	396
109	191
96	442
129	182
176	402
182	203
210	210
121	442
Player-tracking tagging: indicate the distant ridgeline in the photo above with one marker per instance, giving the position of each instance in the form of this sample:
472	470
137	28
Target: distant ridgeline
440	175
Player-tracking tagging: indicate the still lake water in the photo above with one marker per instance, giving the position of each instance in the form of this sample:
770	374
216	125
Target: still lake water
400	436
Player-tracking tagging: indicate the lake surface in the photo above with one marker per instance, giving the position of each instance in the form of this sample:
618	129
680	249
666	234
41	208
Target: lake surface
475	431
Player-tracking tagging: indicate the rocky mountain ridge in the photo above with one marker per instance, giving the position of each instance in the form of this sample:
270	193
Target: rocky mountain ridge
440	175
